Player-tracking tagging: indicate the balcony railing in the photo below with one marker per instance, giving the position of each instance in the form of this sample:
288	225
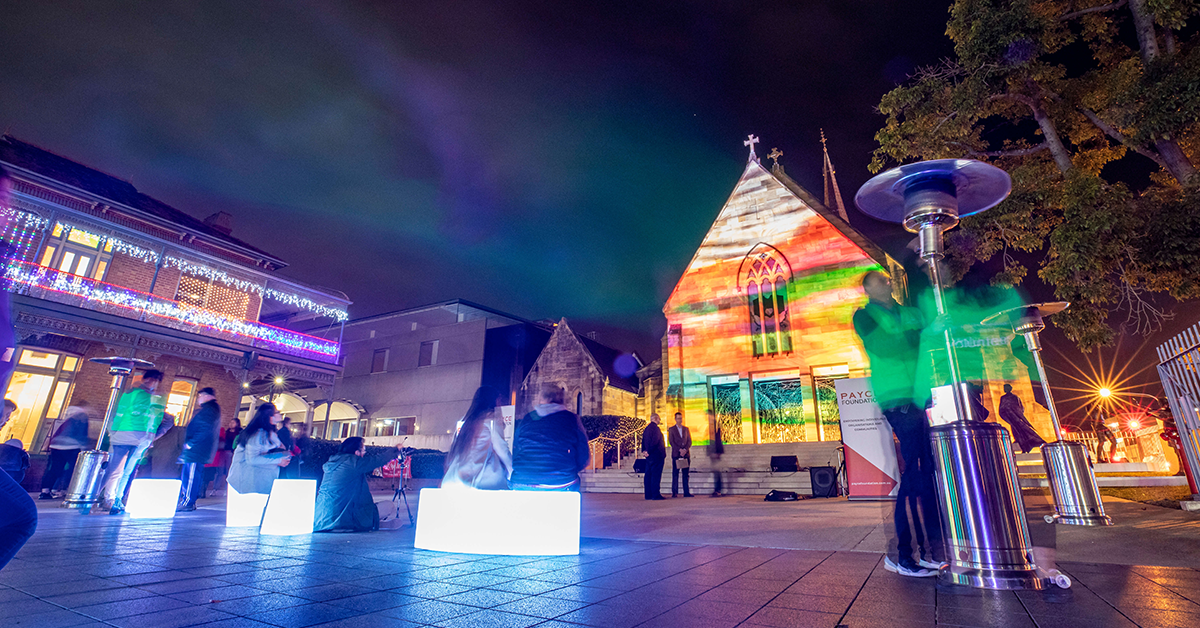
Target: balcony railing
89	294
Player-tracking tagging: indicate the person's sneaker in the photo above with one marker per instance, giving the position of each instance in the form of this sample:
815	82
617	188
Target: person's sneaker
929	564
46	495
913	570
117	508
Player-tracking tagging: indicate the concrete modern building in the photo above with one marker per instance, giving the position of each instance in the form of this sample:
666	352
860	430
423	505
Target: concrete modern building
414	372
98	269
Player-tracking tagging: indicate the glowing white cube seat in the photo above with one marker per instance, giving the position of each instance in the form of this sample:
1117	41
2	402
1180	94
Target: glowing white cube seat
291	508
505	523
244	511
153	499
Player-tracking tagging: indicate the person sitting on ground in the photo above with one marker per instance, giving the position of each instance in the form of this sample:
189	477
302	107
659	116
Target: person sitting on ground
344	500
18	513
479	457
550	446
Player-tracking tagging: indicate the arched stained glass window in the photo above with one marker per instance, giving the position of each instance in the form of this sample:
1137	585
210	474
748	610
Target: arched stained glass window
766	278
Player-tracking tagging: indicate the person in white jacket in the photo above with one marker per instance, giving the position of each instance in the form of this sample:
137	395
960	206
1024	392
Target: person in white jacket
259	454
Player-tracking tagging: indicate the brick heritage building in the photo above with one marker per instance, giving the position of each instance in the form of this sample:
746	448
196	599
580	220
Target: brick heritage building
100	269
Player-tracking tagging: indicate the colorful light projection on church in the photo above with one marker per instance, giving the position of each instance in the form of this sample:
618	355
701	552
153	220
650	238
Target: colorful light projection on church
54	285
759	326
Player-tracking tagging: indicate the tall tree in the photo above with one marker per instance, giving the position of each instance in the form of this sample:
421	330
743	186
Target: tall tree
1067	95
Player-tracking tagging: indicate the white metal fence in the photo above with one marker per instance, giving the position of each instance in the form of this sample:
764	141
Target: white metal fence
1178	359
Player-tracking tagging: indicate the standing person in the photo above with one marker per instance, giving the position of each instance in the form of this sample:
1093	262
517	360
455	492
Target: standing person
680	439
891	335
1103	434
655	452
344	500
135	424
18	513
68	440
289	443
259	455
716	447
1013	412
479	457
550	446
300	436
229	438
164	457
199	448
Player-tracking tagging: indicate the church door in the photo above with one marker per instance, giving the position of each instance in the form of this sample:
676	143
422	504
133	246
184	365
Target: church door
727	405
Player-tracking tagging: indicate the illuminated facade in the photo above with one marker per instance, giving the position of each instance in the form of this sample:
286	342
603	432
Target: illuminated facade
759	325
98	268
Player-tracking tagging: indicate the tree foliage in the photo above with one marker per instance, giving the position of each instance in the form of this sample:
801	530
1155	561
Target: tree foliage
1065	95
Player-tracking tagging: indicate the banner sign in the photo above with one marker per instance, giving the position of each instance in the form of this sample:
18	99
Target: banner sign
872	471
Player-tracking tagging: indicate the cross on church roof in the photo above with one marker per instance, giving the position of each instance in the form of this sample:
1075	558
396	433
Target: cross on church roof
774	156
751	141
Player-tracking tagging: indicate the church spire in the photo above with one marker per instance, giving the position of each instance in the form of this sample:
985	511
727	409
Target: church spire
833	195
751	141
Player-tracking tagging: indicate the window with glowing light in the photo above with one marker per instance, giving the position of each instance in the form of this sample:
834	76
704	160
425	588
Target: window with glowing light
77	251
766	275
180	398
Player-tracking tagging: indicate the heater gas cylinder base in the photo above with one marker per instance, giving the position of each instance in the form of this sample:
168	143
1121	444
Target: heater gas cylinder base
997	579
1095	521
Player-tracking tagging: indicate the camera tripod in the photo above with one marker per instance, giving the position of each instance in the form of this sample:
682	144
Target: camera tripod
400	493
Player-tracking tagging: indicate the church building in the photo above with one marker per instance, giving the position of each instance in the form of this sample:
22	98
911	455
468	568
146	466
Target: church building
759	325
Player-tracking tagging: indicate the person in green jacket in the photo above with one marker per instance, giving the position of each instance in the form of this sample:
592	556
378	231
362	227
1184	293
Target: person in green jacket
344	500
136	423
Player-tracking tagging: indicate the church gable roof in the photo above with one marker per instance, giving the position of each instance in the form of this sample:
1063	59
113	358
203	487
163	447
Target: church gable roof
601	357
768	207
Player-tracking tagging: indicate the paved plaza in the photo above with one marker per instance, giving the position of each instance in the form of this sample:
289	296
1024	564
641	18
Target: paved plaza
668	568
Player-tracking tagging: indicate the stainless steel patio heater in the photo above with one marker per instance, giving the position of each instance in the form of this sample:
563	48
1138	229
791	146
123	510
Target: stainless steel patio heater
1068	467
90	465
986	535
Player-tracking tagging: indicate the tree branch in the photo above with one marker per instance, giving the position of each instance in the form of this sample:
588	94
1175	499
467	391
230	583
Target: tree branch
1120	137
1013	152
1106	7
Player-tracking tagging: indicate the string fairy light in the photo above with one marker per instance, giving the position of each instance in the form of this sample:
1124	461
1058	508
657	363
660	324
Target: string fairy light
94	294
31	223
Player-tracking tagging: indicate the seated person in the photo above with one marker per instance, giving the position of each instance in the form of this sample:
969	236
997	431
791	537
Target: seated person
550	446
344	500
479	457
14	460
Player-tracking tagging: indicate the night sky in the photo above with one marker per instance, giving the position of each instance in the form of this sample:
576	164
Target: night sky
547	159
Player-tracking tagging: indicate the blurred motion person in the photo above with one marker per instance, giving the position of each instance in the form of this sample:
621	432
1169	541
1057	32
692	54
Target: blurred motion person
344	500
199	448
135	425
18	513
479	456
550	446
891	335
655	451
716	449
68	440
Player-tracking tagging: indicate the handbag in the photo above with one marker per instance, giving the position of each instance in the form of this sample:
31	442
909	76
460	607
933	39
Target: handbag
683	463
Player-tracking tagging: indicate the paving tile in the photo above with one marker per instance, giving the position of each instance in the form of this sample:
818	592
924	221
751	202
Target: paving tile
326	592
48	589
483	598
374	601
87	598
816	603
1153	618
541	606
490	618
54	619
216	594
965	616
432	590
872	607
125	608
303	615
257	604
236	622
429	611
180	586
714	609
789	618
175	618
582	594
373	620
610	616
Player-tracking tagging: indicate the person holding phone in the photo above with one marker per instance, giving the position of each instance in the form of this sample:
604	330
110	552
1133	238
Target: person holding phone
259	454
